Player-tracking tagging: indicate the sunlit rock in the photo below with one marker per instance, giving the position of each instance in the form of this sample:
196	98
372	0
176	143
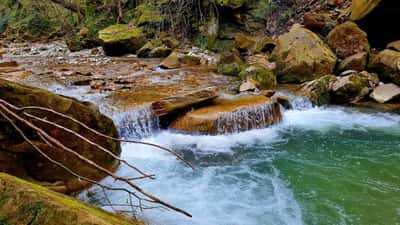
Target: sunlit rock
230	114
385	93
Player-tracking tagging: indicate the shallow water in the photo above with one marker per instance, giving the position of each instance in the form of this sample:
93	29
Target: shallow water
319	166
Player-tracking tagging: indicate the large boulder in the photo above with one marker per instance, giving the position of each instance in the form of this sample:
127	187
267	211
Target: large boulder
387	64
348	39
385	93
34	164
357	62
319	90
23	202
226	115
302	56
230	64
121	39
263	77
353	87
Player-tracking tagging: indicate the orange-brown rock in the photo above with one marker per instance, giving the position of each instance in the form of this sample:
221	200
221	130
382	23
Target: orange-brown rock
230	114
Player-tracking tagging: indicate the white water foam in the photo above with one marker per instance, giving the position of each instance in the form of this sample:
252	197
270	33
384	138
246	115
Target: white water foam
234	193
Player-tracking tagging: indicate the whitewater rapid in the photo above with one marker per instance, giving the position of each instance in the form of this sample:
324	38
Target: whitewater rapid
230	185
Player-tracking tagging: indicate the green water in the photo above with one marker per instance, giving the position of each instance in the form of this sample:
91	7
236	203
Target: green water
322	166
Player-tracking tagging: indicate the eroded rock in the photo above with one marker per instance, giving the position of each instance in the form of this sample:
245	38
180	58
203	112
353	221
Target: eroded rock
233	114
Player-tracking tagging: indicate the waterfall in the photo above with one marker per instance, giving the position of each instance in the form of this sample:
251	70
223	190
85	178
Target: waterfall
253	117
137	123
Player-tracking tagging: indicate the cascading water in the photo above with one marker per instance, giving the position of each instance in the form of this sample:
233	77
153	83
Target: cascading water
315	167
253	117
137	123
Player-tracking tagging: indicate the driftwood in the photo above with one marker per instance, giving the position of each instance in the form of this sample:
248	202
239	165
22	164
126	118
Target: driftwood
173	104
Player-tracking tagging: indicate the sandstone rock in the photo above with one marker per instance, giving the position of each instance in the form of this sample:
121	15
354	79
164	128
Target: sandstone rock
353	88
361	8
37	166
248	85
348	39
230	115
171	62
263	77
302	56
318	91
356	62
387	64
395	45
319	22
385	93
27	203
261	60
284	102
8	64
121	39
230	64
173	104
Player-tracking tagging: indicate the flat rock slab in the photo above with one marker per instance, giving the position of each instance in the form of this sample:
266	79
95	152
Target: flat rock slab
233	114
385	93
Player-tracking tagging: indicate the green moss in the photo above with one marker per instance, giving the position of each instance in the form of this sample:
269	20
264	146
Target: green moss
264	78
118	32
147	14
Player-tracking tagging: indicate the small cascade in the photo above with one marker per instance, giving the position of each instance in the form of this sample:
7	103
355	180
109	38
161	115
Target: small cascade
252	117
137	123
301	103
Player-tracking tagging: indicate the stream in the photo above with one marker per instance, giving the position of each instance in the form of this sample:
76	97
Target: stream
320	165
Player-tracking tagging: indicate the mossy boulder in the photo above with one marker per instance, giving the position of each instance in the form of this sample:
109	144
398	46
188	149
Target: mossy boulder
348	39
22	202
230	64
263	77
38	167
387	64
190	60
353	87
318	91
154	50
357	62
171	62
121	39
302	56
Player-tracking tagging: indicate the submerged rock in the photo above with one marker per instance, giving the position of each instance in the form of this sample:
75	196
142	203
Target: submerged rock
302	56
387	64
385	93
34	164
121	39
348	39
23	202
226	115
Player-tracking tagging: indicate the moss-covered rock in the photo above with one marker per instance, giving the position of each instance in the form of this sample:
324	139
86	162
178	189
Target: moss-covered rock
262	76
318	91
230	64
171	62
264	45
154	49
356	62
302	56
37	166
353	87
84	39
348	39
190	60
121	39
387	64
22	202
